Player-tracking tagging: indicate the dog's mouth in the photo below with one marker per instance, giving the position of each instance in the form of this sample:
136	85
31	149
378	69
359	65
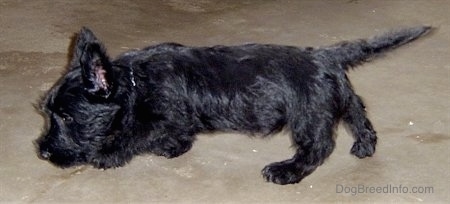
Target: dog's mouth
61	158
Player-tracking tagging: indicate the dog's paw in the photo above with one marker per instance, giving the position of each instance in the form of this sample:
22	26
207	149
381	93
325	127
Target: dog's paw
107	162
169	154
282	173
171	150
361	149
101	164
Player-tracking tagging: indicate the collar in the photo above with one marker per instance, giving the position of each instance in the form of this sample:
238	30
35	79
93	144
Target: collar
131	72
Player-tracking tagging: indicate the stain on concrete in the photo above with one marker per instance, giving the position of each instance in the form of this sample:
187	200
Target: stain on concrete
30	63
429	138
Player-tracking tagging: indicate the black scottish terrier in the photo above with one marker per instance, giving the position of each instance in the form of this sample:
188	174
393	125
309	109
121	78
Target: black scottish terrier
156	100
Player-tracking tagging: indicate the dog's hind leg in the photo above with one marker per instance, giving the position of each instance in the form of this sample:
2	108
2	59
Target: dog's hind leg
360	126
313	136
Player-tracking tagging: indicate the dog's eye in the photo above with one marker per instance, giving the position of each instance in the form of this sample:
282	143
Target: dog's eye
66	117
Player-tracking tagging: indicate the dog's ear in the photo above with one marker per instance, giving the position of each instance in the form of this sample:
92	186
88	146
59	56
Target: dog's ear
96	67
79	43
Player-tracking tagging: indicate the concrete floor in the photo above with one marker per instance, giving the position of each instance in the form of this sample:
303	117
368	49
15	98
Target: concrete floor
407	94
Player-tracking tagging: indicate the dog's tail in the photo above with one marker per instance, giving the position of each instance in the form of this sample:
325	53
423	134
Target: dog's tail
350	54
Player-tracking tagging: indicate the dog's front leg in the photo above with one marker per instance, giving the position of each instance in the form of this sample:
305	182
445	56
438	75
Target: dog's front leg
171	146
114	154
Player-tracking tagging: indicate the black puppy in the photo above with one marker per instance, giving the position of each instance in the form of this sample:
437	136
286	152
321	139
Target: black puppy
155	100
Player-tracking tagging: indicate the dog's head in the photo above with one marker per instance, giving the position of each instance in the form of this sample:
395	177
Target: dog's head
78	108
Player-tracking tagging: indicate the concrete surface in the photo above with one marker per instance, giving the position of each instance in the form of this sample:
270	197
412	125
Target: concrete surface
407	95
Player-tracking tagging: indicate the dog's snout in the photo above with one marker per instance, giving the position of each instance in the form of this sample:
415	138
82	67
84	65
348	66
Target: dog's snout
45	154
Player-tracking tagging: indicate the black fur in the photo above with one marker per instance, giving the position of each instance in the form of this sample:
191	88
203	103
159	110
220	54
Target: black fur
155	100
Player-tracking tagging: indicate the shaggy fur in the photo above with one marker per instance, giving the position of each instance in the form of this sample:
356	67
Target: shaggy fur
156	100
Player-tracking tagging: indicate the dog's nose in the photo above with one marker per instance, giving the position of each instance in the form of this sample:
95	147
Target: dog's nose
45	155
